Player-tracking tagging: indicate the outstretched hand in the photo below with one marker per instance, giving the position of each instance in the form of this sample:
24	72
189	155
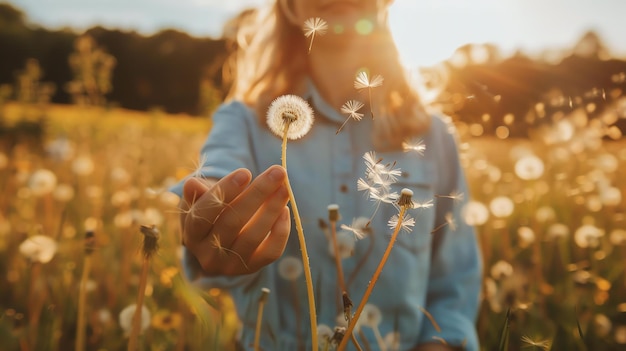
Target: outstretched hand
233	226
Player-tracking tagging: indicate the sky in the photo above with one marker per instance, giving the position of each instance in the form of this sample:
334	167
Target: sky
426	31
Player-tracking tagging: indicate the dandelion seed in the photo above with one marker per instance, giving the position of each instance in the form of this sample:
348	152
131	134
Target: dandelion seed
363	82
290	115
424	204
407	223
351	108
313	26
417	146
541	344
217	243
359	227
456	196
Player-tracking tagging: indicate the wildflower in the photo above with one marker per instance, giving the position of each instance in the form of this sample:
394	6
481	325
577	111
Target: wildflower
416	145
313	26
83	166
545	214
290	115
166	320
126	318
42	182
351	108
290	268
407	223
475	213
529	167
39	248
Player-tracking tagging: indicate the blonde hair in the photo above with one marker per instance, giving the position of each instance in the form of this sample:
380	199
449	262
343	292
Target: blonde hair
269	60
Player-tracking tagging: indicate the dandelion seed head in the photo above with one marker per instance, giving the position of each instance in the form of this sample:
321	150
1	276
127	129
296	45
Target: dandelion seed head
501	269
345	245
475	213
529	167
42	182
557	231
290	268
371	316
501	206
291	112
588	236
126	318
38	248
526	236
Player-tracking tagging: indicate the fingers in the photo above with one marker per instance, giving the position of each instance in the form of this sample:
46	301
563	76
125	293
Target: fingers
274	244
241	210
255	231
206	203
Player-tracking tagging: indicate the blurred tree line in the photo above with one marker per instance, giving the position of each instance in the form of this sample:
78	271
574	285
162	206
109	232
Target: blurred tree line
169	70
178	73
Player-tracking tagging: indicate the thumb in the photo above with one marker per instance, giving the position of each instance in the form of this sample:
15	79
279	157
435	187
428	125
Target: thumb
193	189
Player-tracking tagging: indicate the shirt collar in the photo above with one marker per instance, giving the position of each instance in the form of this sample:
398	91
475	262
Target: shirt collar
319	104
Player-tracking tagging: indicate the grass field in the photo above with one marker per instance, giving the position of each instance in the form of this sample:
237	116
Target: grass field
549	211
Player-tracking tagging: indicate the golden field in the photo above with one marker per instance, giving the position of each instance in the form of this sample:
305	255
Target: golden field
549	211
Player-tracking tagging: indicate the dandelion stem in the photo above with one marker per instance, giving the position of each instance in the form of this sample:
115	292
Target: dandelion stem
82	304
340	278
259	319
136	326
303	250
374	279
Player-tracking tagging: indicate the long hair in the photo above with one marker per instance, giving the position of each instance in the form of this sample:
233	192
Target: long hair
269	60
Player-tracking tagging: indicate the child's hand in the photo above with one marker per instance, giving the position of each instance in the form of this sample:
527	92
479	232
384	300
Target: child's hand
233	226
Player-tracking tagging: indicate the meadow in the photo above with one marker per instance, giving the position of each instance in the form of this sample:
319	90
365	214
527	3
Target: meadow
549	213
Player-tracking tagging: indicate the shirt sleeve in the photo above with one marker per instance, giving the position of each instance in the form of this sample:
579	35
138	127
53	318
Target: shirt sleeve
456	266
227	148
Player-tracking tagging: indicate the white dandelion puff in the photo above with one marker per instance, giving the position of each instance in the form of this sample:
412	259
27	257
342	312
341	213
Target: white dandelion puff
126	318
42	182
359	227
290	268
38	248
290	114
314	26
351	108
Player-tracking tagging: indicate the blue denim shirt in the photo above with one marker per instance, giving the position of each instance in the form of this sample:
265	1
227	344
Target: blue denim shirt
438	272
